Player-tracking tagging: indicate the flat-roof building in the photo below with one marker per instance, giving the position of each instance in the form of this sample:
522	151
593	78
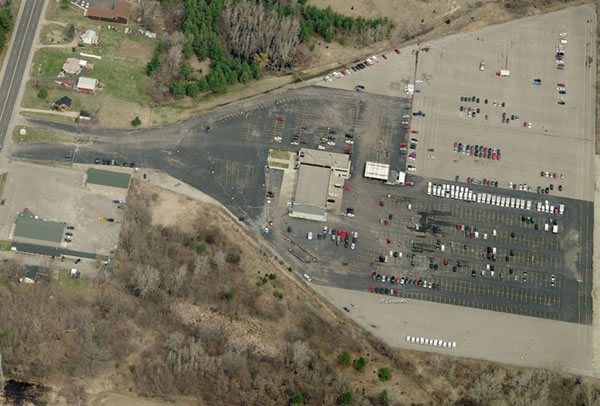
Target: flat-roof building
311	193
107	179
338	163
31	229
375	170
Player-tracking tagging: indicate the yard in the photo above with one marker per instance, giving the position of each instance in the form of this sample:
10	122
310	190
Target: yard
74	287
55	92
53	34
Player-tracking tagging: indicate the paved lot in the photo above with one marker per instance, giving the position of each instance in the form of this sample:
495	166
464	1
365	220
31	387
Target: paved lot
561	138
59	194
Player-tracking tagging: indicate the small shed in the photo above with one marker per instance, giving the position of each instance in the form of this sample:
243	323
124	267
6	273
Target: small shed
86	85
63	104
89	37
84	115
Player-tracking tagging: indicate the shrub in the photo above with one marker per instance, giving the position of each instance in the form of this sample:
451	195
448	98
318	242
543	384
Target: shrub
296	400
345	359
229	296
383	396
136	121
360	364
278	294
132	369
345	398
43	93
273	276
384	374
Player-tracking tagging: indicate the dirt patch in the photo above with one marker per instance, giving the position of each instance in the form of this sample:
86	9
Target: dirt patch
199	69
132	49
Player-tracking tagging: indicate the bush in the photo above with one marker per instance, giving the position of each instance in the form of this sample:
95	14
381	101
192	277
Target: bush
383	396
132	369
64	4
360	364
345	359
296	400
345	398
43	93
136	121
278	294
273	276
384	374
229	296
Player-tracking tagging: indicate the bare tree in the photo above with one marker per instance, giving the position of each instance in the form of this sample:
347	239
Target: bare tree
145	280
147	12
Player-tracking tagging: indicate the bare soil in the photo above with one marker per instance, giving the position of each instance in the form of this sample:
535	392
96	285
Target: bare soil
132	49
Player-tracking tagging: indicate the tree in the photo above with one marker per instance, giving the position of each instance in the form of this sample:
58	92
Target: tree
153	64
191	89
186	70
177	89
345	359
135	122
296	400
345	398
43	93
360	364
383	396
384	374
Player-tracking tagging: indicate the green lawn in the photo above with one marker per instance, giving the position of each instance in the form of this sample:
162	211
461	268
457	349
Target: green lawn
279	165
71	14
55	91
5	245
278	154
38	136
49	62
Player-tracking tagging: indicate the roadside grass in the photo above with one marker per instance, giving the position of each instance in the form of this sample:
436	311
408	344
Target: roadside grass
5	245
3	177
54	164
71	14
278	154
55	92
74	287
52	34
55	118
38	136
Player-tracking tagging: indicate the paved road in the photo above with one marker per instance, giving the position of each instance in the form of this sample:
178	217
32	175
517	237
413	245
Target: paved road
17	62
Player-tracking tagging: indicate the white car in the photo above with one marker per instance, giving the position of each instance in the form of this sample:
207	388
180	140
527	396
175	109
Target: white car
408	339
413	340
370	61
294	142
375	58
278	139
529	125
321	147
327	79
411	168
331	143
349	142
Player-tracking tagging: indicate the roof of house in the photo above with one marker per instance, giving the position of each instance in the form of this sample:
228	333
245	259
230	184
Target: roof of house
120	9
63	100
108	178
28	225
86	83
71	65
31	272
312	185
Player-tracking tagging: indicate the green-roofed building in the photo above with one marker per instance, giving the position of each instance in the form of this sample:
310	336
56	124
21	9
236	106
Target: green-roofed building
30	229
108	178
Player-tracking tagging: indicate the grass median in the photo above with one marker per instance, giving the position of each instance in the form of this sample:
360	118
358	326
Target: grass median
38	136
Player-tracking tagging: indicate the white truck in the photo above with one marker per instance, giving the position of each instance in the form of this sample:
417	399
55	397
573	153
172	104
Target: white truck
309	235
503	72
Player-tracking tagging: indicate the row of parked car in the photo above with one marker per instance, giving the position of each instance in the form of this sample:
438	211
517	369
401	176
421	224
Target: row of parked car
113	162
404	281
359	66
478	151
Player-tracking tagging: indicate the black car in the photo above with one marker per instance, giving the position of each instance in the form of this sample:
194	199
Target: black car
69	234
473	273
461	108
477	100
70	228
78	260
485	101
348	136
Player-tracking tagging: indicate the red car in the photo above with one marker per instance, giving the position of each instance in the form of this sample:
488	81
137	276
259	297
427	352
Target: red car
472	151
414	131
389	240
281	119
493	155
456	145
367	63
373	276
381	203
524	123
498	157
384	57
397	51
347	188
396	291
385	223
446	261
372	288
409	183
405	127
270	193
458	227
439	286
343	73
412	155
468	180
397	281
486	116
346	149
402	144
339	232
560	84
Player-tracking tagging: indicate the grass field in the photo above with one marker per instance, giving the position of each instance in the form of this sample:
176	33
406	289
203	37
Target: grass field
279	165
74	287
52	34
38	136
48	62
5	245
55	92
278	154
47	117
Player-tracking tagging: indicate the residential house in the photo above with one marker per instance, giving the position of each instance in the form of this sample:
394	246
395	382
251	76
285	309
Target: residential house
119	13
71	66
63	104
33	274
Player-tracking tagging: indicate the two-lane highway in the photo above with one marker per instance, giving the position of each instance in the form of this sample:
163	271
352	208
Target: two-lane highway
22	42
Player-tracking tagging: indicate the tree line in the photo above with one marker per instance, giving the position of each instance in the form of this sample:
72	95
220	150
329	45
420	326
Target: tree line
6	23
243	38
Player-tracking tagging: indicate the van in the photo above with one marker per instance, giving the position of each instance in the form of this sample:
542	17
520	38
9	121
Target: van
309	235
308	278
429	189
528	204
502	201
546	227
561	209
488	199
555	229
